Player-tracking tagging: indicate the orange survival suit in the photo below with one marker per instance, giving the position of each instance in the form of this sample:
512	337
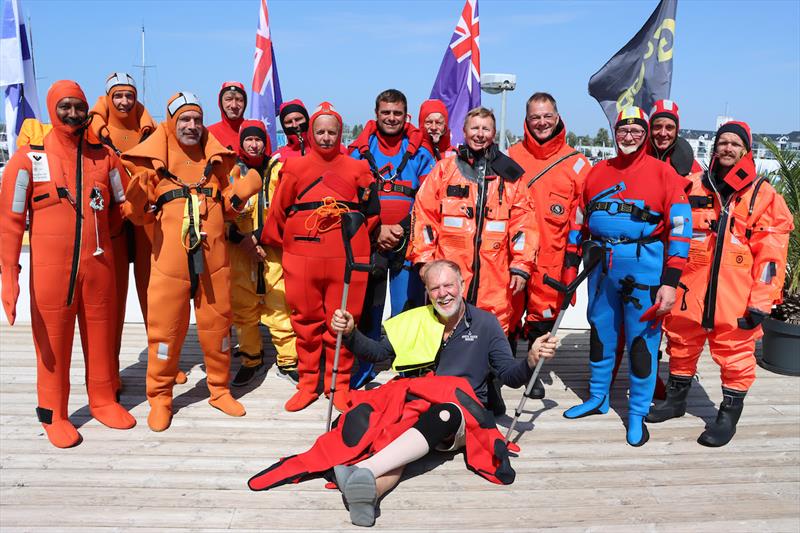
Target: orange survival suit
304	219
226	131
472	209
736	269
554	177
122	131
72	263
185	190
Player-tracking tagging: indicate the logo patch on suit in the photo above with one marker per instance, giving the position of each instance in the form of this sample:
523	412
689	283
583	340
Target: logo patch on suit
557	209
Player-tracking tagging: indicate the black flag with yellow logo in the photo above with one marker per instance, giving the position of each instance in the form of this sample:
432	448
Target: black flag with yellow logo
641	72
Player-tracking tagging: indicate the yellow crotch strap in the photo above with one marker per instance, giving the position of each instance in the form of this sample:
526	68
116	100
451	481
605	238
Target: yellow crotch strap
191	238
416	336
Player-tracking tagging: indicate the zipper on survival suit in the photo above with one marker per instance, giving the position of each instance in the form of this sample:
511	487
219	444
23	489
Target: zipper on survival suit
480	216
710	304
76	250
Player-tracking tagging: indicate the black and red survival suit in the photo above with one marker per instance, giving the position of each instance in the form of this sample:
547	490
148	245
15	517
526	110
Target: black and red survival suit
382	414
184	189
72	191
304	219
735	272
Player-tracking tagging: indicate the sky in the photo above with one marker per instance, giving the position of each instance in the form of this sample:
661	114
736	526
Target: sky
742	57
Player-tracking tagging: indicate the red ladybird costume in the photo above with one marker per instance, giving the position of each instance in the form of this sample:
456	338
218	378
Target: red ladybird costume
72	263
304	220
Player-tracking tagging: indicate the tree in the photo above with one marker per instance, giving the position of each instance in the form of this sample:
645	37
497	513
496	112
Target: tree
602	138
572	139
356	130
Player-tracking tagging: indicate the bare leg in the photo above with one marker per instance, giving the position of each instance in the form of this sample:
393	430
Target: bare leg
389	480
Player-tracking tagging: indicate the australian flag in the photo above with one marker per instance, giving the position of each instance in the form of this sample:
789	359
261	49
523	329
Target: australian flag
266	90
458	83
641	72
17	78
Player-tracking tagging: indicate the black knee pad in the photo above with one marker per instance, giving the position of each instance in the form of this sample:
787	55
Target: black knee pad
356	424
641	360
595	346
438	423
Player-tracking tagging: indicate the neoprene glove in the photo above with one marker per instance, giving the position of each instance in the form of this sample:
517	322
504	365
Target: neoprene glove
10	291
752	318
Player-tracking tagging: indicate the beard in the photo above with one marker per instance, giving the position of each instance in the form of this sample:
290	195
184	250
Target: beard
627	150
447	313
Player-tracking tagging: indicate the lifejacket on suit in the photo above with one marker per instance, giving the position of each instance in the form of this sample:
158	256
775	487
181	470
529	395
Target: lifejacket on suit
70	189
477	214
380	415
554	177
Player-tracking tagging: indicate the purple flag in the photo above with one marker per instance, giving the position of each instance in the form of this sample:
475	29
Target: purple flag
266	89
458	83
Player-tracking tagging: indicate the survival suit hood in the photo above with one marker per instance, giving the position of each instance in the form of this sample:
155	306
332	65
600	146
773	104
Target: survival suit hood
550	146
434	106
227	130
120	124
58	91
328	154
743	172
679	154
628	116
253	128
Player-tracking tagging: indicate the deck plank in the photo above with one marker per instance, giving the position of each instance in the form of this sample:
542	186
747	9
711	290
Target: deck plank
571	475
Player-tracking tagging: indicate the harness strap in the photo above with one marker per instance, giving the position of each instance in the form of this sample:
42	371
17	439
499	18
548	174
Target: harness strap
184	192
627	208
749	231
387	184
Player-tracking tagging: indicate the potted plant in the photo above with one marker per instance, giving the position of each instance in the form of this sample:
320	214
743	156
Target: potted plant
781	343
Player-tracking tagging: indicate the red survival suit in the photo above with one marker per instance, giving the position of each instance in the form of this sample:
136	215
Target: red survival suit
735	272
226	131
554	177
72	264
480	218
381	415
304	220
122	131
441	149
187	190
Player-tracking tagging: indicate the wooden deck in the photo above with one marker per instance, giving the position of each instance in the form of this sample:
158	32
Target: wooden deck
571	475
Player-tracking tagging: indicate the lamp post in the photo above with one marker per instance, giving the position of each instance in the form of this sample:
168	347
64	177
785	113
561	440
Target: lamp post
500	84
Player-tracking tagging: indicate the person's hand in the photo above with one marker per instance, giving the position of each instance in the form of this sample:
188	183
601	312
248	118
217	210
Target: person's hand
249	245
389	237
517	284
10	291
665	299
543	347
342	322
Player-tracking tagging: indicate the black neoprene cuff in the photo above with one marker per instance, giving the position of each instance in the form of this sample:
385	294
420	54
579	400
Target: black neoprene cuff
671	277
520	273
234	235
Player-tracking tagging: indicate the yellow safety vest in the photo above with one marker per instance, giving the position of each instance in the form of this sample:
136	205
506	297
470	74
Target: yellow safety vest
416	336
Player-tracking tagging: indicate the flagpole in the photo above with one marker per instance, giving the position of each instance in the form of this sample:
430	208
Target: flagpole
144	66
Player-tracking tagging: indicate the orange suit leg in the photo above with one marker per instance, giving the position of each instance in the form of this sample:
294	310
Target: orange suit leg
142	236
168	298
685	341
120	246
96	297
733	349
212	307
